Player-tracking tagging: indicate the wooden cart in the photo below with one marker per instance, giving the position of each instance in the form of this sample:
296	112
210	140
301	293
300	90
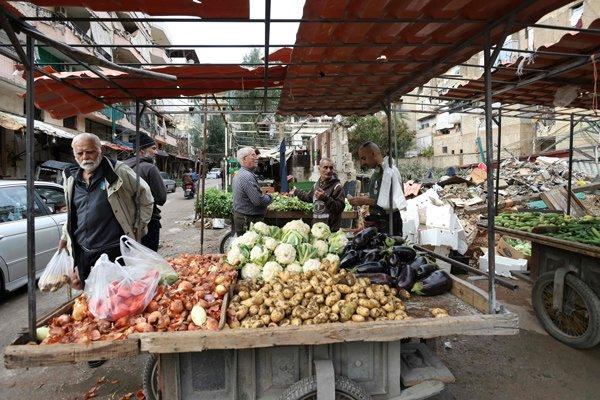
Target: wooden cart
355	360
566	290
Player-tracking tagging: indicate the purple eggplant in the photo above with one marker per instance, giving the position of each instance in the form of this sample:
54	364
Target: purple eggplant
406	278
363	238
395	270
423	271
417	262
350	259
369	255
404	253
435	284
377	278
371	267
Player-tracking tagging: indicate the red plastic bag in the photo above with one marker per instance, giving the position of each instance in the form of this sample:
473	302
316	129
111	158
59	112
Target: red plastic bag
115	291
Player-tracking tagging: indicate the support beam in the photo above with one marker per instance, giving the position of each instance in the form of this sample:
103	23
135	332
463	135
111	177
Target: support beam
570	174
136	148
267	39
498	158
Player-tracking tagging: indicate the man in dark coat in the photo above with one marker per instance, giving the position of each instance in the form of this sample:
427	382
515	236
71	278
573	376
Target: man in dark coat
150	173
327	196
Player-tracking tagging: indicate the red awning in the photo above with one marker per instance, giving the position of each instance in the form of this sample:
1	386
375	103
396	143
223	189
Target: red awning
543	92
353	66
114	146
210	9
62	100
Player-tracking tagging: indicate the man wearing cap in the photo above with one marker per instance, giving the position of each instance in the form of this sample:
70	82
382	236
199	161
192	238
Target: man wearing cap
150	173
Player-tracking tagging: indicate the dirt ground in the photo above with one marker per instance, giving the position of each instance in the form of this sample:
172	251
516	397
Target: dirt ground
530	365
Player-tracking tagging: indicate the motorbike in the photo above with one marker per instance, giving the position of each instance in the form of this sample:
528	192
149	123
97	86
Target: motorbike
188	191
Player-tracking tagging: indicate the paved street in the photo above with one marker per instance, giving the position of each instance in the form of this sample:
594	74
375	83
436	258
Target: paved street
530	365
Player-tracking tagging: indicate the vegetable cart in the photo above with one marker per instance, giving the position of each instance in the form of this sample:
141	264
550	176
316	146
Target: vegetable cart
566	290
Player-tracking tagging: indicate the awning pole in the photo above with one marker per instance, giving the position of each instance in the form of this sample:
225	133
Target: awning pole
489	145
29	168
138	232
390	164
569	183
203	175
499	124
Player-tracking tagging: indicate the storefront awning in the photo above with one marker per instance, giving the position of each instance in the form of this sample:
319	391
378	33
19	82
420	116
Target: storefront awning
14	123
162	153
114	146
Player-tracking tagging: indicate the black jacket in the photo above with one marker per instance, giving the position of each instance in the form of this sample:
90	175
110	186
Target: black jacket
150	173
334	203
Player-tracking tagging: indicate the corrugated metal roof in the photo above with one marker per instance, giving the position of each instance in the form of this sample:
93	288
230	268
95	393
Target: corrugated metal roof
542	92
357	64
62	100
213	9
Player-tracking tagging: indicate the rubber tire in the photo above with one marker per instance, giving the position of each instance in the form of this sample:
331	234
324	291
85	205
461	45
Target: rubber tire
149	377
308	386
592	336
229	235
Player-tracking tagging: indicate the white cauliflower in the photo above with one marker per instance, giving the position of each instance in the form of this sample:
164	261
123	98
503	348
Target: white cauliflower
311	265
259	255
270	243
249	239
270	270
298	226
294	268
261	228
236	255
250	271
320	230
334	259
322	247
285	253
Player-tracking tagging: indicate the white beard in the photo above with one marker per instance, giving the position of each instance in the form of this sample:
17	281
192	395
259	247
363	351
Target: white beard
90	166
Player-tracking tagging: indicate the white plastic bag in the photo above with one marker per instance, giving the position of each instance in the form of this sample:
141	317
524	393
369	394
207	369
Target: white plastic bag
57	273
134	253
114	291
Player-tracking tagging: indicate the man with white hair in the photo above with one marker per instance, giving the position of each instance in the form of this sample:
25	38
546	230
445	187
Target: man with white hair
249	203
100	196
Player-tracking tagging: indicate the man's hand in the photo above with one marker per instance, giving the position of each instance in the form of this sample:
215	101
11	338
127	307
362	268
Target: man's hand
290	193
62	244
75	281
320	194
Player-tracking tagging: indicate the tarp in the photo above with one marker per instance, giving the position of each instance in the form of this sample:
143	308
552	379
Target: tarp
213	9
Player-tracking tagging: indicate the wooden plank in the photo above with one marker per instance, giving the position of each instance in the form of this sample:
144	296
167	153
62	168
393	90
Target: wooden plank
24	356
470	294
556	199
381	331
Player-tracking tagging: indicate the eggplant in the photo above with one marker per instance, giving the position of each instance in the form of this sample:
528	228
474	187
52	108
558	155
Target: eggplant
417	262
406	278
378	241
350	259
404	253
395	270
435	284
377	278
347	248
423	271
398	240
362	239
371	267
369	255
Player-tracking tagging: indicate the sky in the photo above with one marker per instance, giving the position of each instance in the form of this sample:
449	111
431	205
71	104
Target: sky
189	33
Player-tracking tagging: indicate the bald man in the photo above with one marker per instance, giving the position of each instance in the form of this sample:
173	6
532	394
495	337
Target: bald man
383	179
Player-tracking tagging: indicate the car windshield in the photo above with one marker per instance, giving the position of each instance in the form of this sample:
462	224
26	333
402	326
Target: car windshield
164	175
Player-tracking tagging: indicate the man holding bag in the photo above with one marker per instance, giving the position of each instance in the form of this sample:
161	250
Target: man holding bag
100	197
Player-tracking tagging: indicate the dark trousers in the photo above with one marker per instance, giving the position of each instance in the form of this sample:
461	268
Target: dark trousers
85	259
152	238
242	222
382	223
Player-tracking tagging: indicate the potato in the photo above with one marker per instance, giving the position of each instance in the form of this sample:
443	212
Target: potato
253	310
327	290
308	322
352	297
244	295
269	302
332	299
297	311
334	317
364	311
325	309
258	299
321	318
391	315
375	312
266	319
263	310
248	302
257	324
388	307
344	289
370	293
236	298
308	295
399	317
319	298
347	310
305	302
277	315
369	303
267	287
241	312
284	322
288	293
337	306
329	282
358	318
278	287
296	321
234	324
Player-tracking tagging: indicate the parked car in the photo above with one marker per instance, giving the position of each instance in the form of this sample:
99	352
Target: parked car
214	173
51	171
169	183
50	216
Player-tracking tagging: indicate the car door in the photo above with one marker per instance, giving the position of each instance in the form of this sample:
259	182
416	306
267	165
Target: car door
53	197
13	232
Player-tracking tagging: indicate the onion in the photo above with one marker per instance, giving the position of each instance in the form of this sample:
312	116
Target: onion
104	326
212	324
153	317
209	297
63	319
185	286
57	331
143	327
42	333
198	315
176	306
221	290
95	335
152	306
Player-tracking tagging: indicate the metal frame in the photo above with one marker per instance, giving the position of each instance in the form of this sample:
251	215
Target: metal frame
9	23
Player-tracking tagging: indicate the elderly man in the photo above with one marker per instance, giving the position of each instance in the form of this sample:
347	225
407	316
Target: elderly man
249	203
382	181
150	173
327	196
100	196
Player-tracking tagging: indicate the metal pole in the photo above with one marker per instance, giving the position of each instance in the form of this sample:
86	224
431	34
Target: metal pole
489	144
390	165
137	231
499	123
30	166
570	176
203	177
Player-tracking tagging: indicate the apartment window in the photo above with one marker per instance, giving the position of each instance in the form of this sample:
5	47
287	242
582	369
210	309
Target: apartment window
445	150
576	14
461	151
70	122
104	132
452	151
37	114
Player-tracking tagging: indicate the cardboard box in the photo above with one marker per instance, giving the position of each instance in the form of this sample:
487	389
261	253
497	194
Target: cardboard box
503	248
503	265
439	237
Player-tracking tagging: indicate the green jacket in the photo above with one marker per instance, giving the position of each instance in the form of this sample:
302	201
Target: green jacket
121	193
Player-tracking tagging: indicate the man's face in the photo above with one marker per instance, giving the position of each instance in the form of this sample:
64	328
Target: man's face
87	155
250	161
150	151
326	170
366	158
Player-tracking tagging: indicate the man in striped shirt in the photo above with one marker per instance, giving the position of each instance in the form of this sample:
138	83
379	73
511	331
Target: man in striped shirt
249	203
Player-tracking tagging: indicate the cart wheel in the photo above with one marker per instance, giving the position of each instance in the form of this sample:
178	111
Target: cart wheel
578	325
307	389
151	387
226	242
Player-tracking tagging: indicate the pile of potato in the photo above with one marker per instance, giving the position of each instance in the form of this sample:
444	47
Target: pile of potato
316	297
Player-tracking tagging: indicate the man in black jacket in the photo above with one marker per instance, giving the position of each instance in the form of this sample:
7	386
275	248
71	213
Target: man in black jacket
150	173
327	196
